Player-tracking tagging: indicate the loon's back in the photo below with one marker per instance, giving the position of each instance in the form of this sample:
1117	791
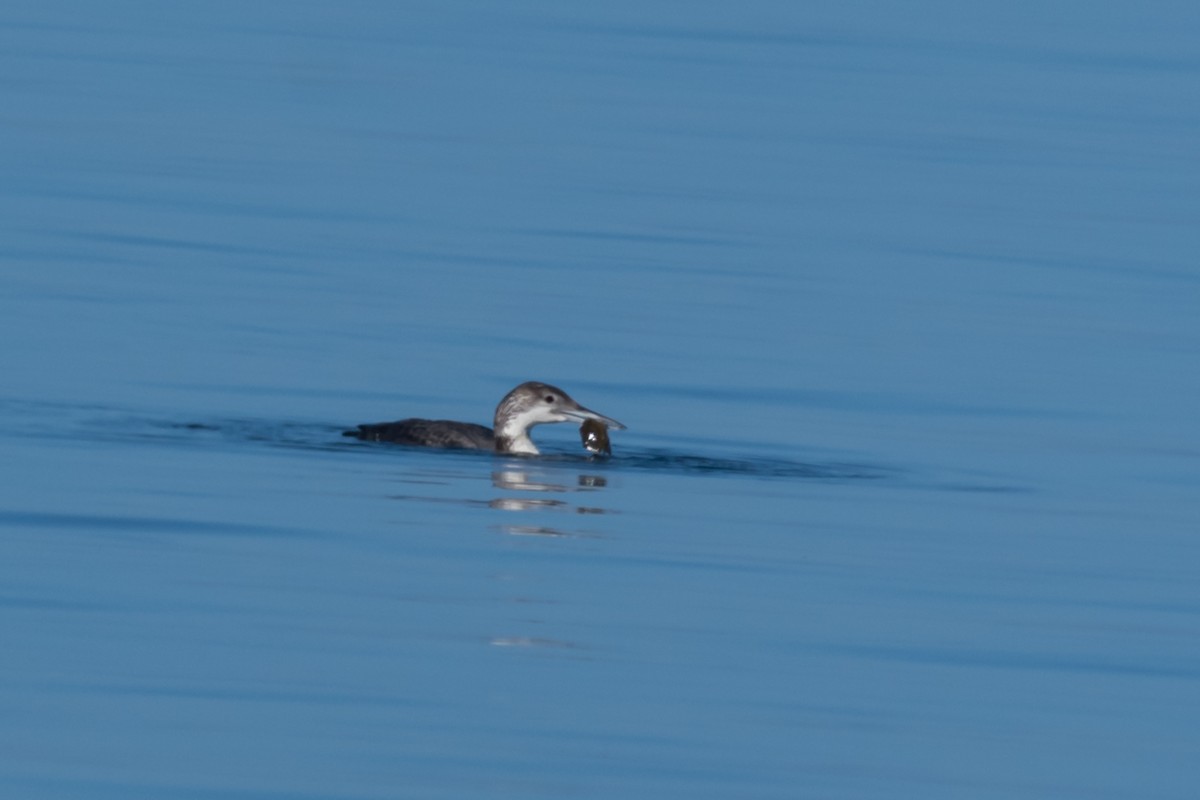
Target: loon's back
428	433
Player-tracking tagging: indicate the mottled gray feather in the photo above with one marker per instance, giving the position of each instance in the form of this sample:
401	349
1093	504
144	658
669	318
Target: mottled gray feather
428	433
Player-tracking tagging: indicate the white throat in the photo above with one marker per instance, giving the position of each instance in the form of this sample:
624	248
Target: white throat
522	444
516	433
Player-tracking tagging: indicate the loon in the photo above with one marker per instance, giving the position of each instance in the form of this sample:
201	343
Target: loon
529	404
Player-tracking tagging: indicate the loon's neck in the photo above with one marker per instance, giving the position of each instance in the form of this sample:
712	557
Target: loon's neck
514	438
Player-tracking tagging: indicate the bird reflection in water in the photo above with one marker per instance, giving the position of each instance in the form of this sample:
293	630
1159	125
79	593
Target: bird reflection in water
524	481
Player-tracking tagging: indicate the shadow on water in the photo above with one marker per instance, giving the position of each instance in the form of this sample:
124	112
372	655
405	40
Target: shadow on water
91	423
559	483
131	525
315	437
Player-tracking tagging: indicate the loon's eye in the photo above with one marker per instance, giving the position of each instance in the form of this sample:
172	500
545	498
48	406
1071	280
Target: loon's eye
549	398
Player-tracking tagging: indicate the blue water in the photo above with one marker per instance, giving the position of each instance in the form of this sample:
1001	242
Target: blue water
899	303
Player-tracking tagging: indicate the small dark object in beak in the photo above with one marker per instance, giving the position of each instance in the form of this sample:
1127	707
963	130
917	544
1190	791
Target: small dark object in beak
595	437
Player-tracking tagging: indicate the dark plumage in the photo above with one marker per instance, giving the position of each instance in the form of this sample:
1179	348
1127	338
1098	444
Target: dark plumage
428	433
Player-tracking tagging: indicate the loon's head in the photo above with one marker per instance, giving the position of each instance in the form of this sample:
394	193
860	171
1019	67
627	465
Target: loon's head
534	403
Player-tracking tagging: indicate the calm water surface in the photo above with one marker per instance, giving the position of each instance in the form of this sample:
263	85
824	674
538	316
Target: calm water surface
899	305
